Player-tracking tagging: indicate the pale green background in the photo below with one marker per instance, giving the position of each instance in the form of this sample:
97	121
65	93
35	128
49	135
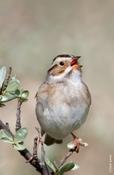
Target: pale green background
32	32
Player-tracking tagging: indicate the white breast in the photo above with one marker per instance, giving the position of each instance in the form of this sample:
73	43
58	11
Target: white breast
66	110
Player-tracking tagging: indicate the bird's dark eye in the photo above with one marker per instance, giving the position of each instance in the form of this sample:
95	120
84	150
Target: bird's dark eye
61	63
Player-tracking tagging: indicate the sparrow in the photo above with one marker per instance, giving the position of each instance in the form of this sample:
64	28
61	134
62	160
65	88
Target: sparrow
63	99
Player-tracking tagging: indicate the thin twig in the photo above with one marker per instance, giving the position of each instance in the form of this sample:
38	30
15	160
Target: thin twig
18	113
35	147
45	170
65	158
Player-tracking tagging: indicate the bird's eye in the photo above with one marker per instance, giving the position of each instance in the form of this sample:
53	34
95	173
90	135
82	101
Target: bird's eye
61	63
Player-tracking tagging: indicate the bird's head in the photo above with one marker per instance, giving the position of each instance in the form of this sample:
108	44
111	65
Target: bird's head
64	65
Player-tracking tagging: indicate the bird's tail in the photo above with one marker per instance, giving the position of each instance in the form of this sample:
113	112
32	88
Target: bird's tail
49	140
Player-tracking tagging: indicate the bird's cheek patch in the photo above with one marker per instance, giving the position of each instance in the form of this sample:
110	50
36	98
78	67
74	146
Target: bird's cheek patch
57	70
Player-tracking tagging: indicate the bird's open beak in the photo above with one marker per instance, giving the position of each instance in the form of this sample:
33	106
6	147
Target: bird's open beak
74	63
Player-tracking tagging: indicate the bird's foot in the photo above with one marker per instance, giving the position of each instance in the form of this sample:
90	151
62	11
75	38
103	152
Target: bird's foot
76	143
40	140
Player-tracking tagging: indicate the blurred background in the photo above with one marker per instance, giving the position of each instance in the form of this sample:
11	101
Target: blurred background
32	32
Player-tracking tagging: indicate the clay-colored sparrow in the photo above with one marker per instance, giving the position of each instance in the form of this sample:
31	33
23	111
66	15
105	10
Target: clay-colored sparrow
63	100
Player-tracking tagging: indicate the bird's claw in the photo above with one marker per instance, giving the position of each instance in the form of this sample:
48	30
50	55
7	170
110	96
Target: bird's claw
75	144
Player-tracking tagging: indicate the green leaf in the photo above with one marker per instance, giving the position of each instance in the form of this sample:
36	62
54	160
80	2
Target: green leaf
51	164
17	92
19	147
12	91
20	135
75	167
6	136
2	75
13	85
24	95
7	97
67	167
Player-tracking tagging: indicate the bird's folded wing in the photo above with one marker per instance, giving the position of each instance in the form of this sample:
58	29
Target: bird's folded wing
44	91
